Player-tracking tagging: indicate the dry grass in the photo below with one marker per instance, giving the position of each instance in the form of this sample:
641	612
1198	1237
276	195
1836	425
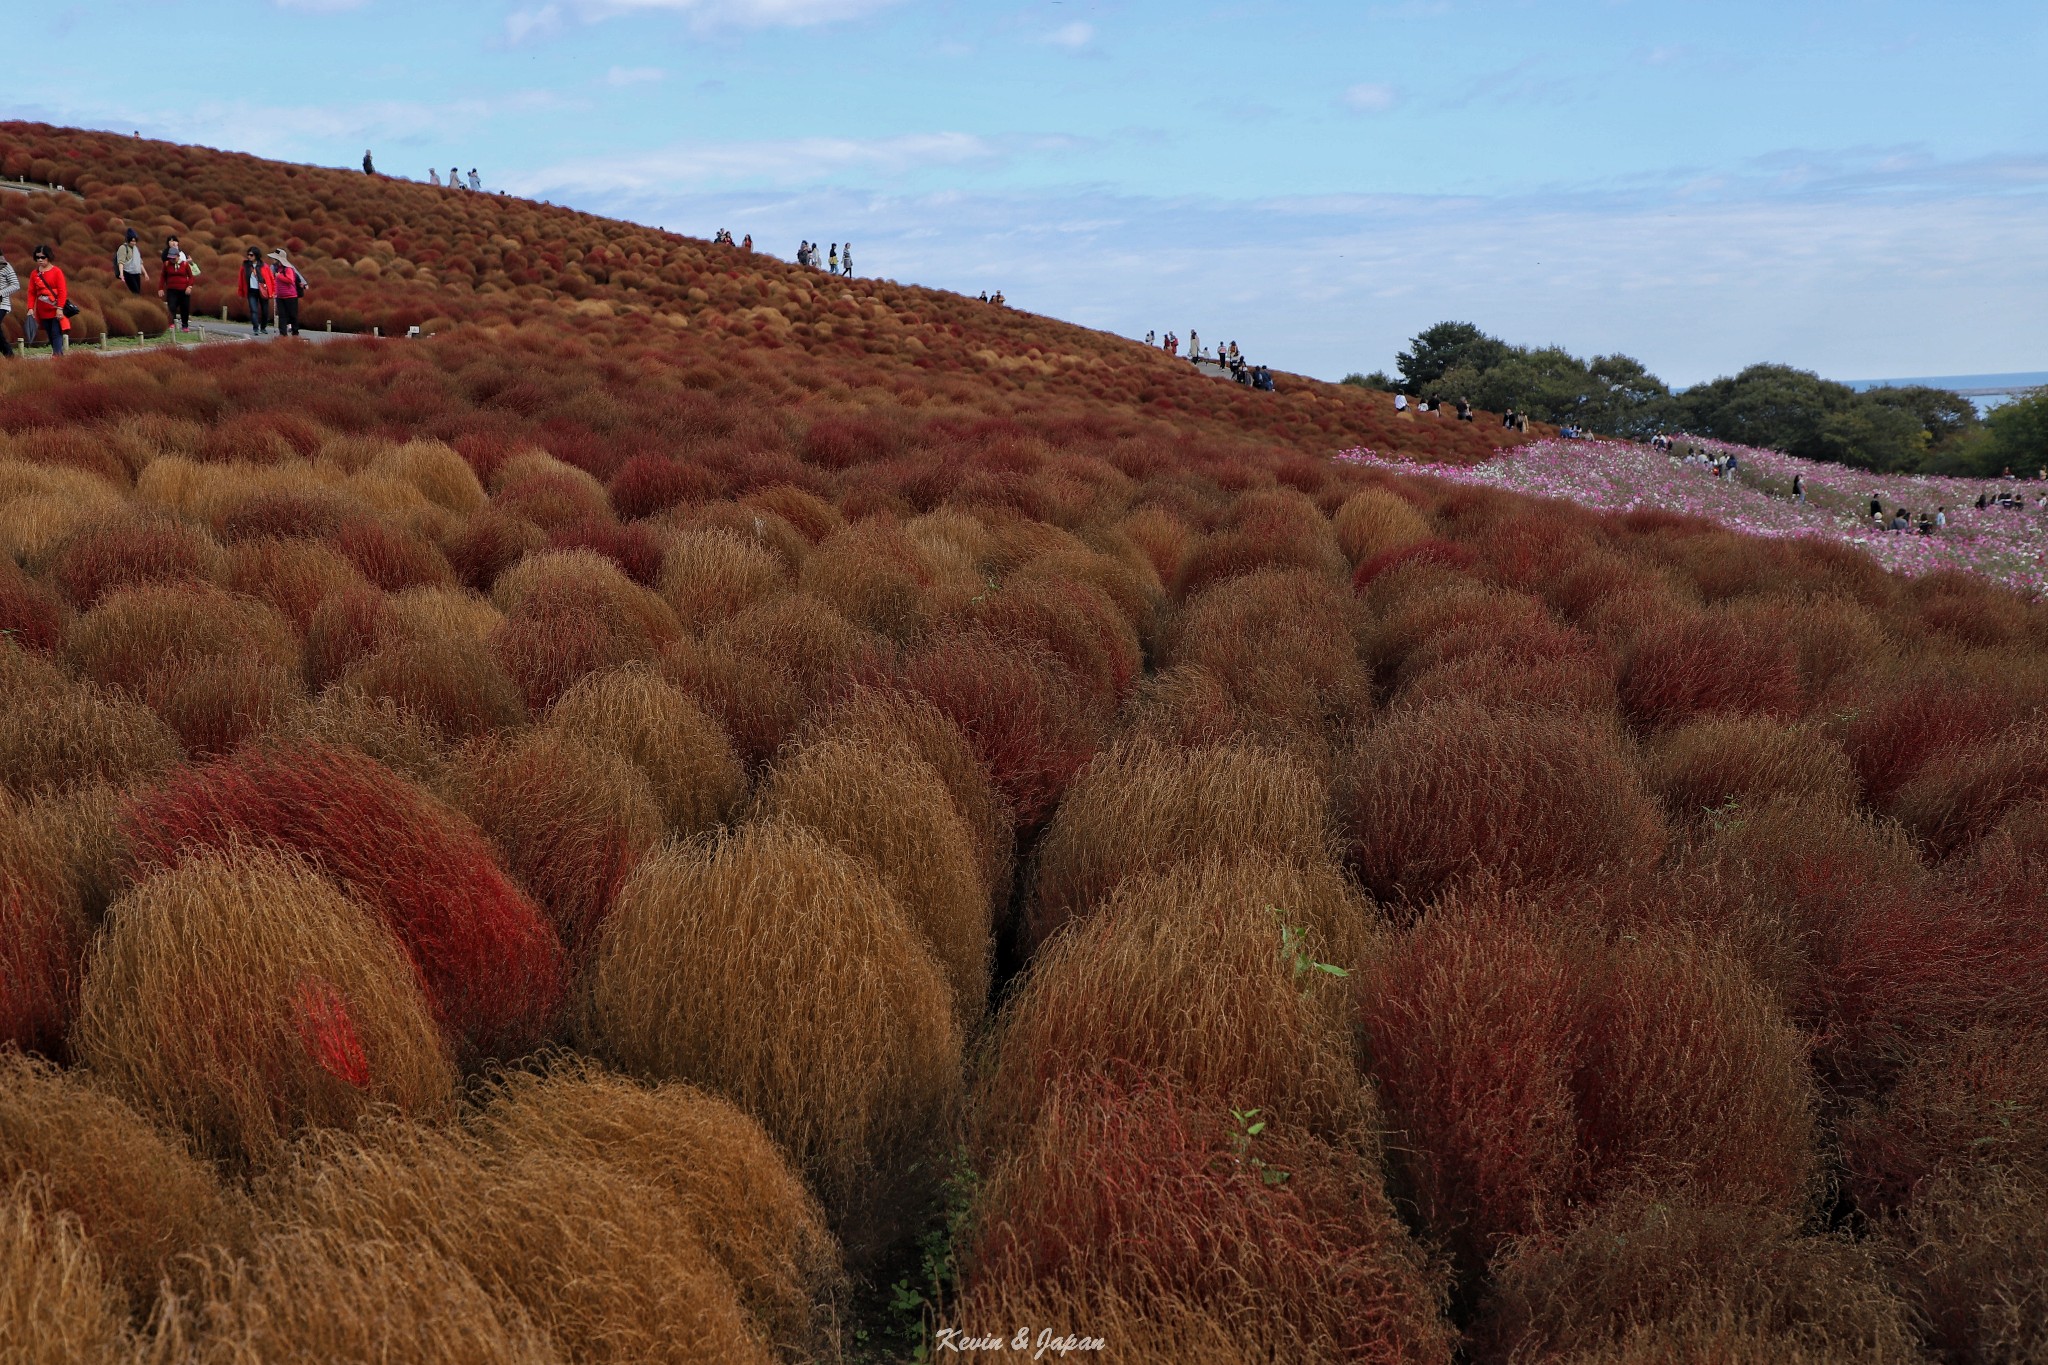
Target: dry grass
1203	975
218	669
1640	1267
243	998
56	1305
72	736
82	828
1963	791
710	575
454	684
570	820
42	933
779	972
1434	795
875	717
886	806
139	1197
697	778
876	577
606	1264
311	1296
402	739
1971	1257
293	576
1145	1202
1376	521
1143	806
1737	763
744	1200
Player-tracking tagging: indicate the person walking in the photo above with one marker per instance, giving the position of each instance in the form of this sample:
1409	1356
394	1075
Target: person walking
288	286
259	287
1799	489
475	182
369	166
49	297
128	262
834	258
1194	344
10	285
176	273
846	261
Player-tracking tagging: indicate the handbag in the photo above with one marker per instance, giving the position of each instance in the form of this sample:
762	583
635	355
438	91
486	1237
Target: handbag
70	309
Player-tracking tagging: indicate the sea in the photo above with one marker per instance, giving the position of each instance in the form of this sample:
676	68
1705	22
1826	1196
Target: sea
1987	391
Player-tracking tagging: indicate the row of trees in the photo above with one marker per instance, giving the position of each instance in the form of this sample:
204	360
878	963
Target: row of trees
1911	429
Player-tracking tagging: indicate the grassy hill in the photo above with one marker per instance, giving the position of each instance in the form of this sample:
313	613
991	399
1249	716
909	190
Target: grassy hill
710	813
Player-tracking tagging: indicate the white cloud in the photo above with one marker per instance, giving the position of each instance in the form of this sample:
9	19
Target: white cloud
790	162
634	75
735	13
1074	36
1370	98
542	21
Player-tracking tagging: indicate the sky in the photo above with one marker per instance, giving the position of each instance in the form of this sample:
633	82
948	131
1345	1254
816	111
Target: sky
1858	187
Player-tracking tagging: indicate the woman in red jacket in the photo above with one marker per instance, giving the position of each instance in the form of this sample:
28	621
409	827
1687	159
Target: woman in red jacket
259	286
176	278
48	294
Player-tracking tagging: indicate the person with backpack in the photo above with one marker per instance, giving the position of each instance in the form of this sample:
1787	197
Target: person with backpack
49	298
128	262
289	286
176	274
10	285
259	287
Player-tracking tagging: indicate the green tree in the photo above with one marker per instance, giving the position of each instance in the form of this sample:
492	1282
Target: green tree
1376	380
2018	435
1947	417
1445	347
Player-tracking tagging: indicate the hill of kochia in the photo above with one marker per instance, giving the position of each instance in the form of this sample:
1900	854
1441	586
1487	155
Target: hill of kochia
753	795
394	254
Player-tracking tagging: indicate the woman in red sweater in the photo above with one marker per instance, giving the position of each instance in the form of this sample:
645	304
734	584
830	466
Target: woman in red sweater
176	277
48	296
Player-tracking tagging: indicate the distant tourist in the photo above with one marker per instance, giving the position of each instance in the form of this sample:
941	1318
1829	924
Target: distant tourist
1877	506
288	286
1194	344
998	300
747	244
1982	499
1464	409
1401	403
984	296
1150	334
454	178
846	261
833	259
49	298
128	262
369	166
259	287
434	176
1799	489
1941	518
175	273
10	285
474	182
1925	524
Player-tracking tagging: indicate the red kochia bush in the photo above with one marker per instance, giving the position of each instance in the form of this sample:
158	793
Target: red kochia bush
1443	792
1920	714
1131	1198
1710	663
1442	553
1025	718
125	553
42	934
1529	1068
635	549
491	966
29	613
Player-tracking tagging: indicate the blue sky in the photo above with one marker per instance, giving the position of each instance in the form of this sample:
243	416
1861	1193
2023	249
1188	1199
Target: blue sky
1855	186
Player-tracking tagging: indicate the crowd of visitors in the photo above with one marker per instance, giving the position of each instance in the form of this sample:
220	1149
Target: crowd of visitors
838	260
996	298
724	238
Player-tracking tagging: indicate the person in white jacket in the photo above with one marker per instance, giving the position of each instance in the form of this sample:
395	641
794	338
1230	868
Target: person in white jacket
10	285
128	262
